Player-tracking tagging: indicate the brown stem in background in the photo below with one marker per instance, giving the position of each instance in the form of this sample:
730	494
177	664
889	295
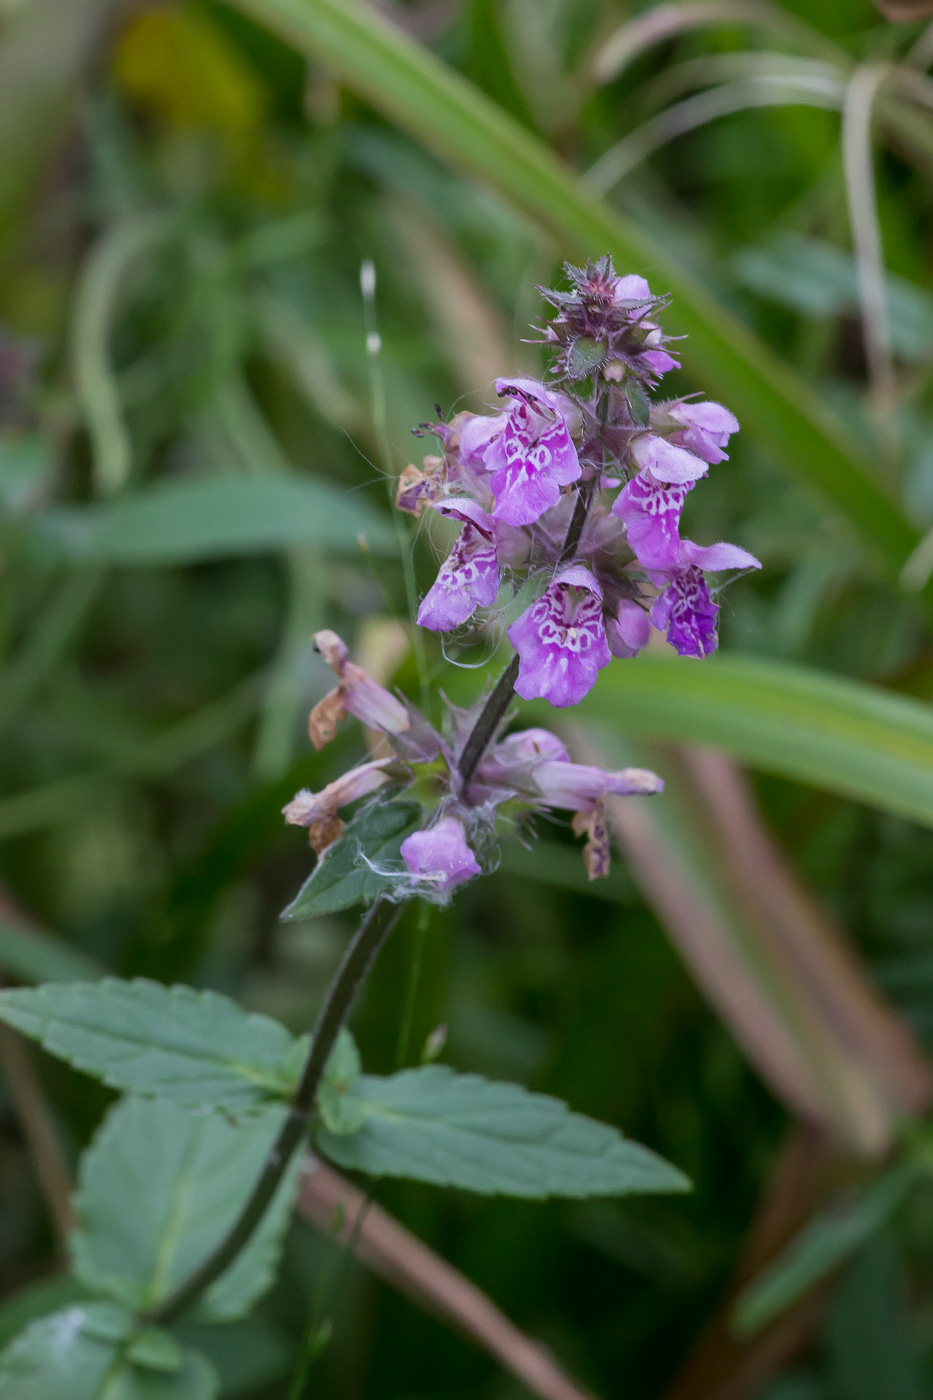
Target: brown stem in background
39	1131
809	1171
775	967
790	987
334	1204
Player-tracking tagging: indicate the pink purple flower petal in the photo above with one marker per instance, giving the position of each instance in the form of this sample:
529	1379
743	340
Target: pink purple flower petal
685	610
707	428
578	786
356	694
534	454
666	461
561	640
469	578
306	807
650	510
629	631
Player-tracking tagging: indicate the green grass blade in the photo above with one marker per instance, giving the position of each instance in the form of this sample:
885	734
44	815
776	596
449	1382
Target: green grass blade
32	955
851	738
185	522
826	1243
462	125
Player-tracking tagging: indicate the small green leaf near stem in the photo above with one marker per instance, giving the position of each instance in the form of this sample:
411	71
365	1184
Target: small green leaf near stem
357	960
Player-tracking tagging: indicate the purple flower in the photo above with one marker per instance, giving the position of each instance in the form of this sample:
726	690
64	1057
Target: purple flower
440	856
650	511
685	610
356	694
631	291
579	786
509	767
477	433
561	640
469	579
658	361
583	788
529	746
650	504
666	461
707	428
533	456
628	632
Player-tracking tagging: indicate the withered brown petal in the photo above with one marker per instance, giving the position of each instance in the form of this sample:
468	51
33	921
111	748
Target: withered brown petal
324	718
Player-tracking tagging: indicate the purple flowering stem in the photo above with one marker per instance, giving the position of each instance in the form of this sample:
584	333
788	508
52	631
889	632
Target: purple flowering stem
357	960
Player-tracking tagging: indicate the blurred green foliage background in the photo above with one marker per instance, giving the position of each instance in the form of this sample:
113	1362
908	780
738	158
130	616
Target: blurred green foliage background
185	203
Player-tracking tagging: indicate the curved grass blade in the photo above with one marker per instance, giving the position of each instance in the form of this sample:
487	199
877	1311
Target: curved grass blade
851	738
212	518
701	109
669	21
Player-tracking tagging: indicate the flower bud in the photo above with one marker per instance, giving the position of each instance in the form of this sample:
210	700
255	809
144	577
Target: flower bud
579	786
318	810
357	694
440	857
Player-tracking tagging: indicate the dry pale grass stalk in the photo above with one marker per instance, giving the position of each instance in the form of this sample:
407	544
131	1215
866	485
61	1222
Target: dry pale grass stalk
38	1130
771	962
720	1365
334	1204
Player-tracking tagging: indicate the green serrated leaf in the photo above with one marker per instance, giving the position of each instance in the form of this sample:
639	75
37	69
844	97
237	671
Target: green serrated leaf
109	1323
341	877
586	355
89	1351
197	1048
461	1130
36	1300
294	1062
826	1243
340	1108
65	1354
344	1065
159	1187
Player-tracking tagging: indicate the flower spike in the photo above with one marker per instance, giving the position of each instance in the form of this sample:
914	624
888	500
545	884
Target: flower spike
579	482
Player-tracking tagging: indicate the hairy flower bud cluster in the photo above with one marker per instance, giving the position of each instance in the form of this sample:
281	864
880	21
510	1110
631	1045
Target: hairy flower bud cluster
581	484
